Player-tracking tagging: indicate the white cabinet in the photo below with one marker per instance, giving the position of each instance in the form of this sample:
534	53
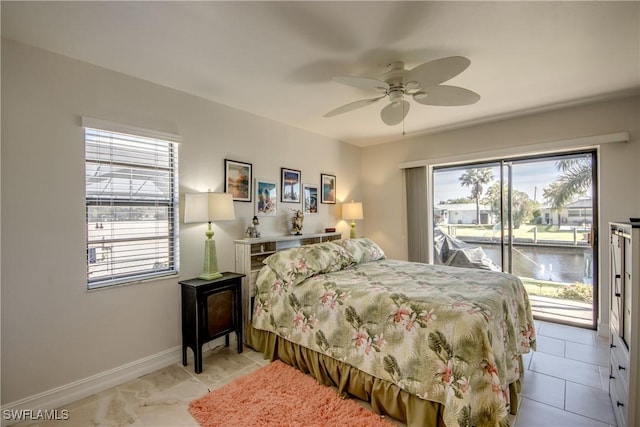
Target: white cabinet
624	314
250	252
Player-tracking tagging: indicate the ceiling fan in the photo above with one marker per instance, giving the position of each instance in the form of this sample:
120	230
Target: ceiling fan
423	83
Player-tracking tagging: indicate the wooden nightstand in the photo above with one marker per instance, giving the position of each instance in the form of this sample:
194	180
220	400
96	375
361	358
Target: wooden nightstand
210	309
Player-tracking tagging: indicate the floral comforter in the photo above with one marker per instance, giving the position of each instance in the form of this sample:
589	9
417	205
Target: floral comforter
446	334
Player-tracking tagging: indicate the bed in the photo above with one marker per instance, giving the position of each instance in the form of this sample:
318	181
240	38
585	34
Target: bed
426	344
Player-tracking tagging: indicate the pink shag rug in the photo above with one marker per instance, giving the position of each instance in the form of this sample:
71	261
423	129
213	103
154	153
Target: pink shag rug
280	395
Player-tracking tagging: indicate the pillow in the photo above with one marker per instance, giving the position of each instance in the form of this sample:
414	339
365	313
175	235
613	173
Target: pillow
362	249
295	265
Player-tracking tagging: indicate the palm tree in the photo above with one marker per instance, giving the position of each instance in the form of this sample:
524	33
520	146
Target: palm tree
476	179
575	181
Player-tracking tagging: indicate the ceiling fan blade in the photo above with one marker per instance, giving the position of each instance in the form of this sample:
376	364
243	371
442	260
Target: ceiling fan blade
395	112
352	106
438	71
446	96
365	83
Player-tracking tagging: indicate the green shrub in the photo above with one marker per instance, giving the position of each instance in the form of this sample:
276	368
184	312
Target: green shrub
578	292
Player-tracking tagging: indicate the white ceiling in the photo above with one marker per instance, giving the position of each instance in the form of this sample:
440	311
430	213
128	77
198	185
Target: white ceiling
277	59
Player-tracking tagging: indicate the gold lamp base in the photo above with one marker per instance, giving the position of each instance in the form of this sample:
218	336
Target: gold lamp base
352	234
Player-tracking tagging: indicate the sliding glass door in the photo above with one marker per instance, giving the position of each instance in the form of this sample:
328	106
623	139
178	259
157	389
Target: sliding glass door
533	217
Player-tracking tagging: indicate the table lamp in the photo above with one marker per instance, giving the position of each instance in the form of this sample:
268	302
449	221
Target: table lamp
352	211
208	207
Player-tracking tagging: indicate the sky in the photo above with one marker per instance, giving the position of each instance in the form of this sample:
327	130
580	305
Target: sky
529	177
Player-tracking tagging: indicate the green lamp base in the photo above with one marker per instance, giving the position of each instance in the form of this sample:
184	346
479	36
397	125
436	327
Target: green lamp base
210	276
210	269
352	234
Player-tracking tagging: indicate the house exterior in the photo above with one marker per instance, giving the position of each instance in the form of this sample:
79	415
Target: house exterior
577	213
461	213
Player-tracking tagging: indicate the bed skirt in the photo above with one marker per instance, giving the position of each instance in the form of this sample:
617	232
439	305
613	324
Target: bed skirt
385	398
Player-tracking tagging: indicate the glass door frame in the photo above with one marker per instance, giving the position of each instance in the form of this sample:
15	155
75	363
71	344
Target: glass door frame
506	162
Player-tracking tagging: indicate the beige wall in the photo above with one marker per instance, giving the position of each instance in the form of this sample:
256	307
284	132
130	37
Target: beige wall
54	331
619	176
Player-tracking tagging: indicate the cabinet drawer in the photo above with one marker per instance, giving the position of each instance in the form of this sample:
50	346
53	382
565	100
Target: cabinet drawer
619	346
620	372
619	361
614	323
619	401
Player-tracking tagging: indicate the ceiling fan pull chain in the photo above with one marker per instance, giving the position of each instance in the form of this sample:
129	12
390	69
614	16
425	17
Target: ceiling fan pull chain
403	116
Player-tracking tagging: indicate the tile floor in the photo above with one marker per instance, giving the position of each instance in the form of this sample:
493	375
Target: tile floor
565	385
566	379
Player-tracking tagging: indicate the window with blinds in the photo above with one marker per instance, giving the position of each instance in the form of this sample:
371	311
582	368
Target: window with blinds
131	207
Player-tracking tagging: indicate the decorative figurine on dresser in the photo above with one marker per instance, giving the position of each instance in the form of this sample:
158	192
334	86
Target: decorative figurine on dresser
252	230
624	322
296	221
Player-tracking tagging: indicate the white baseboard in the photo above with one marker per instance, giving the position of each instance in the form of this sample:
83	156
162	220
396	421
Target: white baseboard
68	393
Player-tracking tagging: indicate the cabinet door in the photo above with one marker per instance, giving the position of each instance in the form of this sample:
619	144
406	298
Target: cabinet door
617	253
220	310
625	309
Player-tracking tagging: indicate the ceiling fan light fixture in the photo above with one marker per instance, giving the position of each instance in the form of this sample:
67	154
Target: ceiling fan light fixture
396	95
394	113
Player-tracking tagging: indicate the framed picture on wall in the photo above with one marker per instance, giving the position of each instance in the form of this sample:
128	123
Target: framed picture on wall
310	199
328	188
266	197
238	179
290	181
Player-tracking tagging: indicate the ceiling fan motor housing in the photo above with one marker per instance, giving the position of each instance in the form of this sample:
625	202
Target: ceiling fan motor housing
394	78
396	93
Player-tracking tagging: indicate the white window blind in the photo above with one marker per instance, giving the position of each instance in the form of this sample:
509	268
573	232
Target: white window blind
131	207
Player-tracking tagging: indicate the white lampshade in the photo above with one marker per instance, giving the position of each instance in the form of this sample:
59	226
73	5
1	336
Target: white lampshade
352	211
207	207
